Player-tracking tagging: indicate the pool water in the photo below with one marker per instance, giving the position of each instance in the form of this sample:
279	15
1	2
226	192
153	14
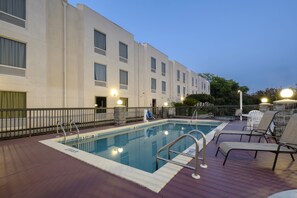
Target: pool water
138	148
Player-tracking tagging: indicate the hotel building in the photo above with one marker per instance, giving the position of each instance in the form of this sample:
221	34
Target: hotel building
55	55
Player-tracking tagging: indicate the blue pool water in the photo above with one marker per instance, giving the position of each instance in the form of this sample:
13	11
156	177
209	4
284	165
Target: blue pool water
138	148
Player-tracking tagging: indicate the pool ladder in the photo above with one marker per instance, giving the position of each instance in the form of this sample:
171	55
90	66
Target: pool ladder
60	125
194	115
196	157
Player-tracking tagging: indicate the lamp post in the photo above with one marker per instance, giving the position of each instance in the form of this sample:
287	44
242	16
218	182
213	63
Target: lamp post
240	103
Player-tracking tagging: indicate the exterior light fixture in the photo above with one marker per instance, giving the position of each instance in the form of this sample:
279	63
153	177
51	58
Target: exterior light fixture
120	150
182	98
114	92
165	104
264	100
286	93
166	132
119	102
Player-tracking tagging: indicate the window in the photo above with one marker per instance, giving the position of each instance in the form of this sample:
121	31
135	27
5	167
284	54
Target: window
163	69
153	85
12	54
192	81
100	104
100	74
100	42
12	100
196	83
184	91
123	51
123	79
178	90
125	102
13	11
178	75
163	87
184	77
153	64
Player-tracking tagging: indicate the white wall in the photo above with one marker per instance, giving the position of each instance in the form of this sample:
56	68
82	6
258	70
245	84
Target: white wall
44	79
146	93
114	34
34	35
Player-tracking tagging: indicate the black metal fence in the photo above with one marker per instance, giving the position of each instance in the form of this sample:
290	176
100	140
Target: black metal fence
28	122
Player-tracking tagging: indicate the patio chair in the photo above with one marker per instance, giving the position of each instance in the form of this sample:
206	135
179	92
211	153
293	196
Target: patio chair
263	128
286	144
254	118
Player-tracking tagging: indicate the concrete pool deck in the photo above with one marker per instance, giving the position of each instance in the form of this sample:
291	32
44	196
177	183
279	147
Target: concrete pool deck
31	169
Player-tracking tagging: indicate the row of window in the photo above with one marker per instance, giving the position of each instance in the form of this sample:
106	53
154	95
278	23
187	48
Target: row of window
178	90
154	86
178	76
100	76
100	46
154	66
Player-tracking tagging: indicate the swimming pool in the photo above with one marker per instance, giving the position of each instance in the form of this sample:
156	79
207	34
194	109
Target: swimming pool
129	151
138	147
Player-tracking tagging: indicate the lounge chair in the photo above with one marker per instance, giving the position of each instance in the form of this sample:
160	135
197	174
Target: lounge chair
286	144
149	115
263	128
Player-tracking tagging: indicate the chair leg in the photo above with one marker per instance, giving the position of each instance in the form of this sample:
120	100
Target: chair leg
217	151
292	156
276	156
218	138
250	138
226	157
240	138
256	153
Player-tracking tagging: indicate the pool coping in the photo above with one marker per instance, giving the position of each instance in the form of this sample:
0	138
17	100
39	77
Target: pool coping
153	181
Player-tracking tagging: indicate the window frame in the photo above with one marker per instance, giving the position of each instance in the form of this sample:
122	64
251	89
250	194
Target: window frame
98	49
163	69
153	64
153	88
100	82
178	75
123	58
122	85
163	85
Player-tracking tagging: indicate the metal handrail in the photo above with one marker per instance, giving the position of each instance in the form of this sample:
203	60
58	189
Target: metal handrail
74	124
169	145
59	124
195	113
203	165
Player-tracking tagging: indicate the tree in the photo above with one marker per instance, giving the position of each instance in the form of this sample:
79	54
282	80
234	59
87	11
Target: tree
201	98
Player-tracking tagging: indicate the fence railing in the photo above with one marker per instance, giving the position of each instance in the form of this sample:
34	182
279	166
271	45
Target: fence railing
29	122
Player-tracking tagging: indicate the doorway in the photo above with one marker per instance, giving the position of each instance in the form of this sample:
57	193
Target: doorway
101	104
154	105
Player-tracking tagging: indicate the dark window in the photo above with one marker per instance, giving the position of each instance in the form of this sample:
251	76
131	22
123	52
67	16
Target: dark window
100	104
12	53
99	40
100	72
123	50
163	69
153	64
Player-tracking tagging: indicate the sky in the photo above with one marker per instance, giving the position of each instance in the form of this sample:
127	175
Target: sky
253	42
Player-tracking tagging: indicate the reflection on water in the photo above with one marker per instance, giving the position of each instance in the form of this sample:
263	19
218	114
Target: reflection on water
139	148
